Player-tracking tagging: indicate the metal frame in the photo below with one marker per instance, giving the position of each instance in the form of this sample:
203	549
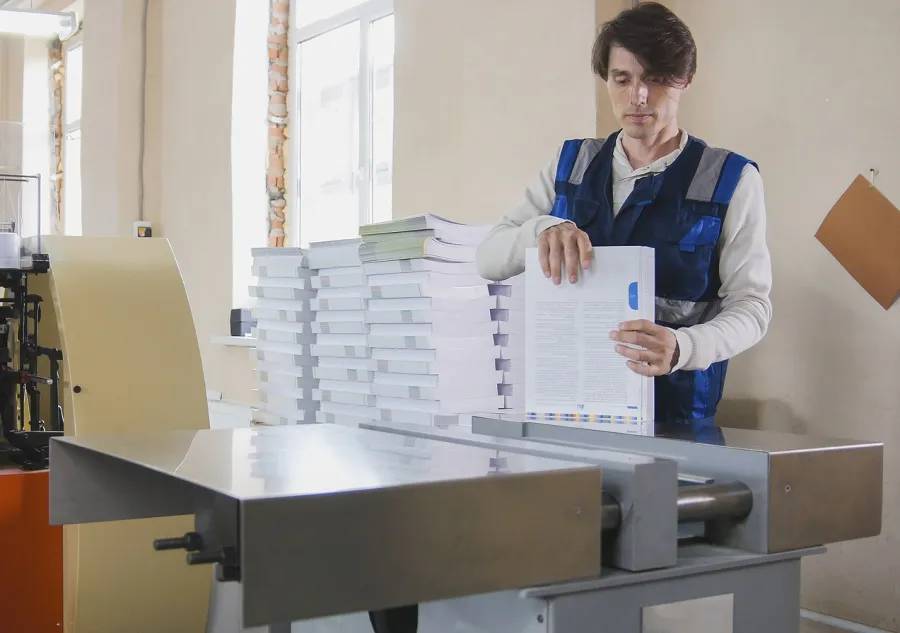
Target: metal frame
366	13
753	593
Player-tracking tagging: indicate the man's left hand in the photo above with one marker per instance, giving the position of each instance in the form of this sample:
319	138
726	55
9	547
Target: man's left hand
660	353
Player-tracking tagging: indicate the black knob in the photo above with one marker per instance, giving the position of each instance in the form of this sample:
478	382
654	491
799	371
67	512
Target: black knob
191	542
77	388
205	558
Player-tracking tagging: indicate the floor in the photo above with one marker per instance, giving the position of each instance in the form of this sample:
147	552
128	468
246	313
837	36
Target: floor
706	615
807	626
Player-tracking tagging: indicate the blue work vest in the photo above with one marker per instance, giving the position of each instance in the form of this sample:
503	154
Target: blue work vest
679	213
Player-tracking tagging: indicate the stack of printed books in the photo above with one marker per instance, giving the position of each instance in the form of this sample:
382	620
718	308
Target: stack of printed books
341	347
284	370
431	332
510	317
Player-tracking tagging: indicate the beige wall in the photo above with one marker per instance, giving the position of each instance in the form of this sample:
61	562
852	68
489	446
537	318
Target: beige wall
187	159
485	92
805	88
110	122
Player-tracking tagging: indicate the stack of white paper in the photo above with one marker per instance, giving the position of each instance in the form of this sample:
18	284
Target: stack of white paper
431	335
341	347
284	372
510	318
573	373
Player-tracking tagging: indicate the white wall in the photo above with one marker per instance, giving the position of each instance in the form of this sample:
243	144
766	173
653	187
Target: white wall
485	93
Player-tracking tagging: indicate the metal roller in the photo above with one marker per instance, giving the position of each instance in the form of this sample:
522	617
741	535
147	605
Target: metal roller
696	503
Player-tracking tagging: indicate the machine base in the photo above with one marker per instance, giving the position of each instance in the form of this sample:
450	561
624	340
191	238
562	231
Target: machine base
750	593
32	571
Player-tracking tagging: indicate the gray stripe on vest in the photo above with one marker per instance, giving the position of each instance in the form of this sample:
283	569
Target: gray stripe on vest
703	185
586	153
685	312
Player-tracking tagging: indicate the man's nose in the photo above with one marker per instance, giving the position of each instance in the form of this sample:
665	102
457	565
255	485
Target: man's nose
639	92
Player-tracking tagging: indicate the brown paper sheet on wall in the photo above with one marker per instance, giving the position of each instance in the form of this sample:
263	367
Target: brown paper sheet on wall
862	232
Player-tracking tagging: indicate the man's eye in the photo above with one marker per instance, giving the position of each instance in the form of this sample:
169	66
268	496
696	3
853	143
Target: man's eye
622	81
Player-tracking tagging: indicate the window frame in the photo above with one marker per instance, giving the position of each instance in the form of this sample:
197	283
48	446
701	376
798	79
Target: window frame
68	129
366	13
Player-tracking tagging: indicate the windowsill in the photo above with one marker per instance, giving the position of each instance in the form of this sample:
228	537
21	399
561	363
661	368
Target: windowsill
234	341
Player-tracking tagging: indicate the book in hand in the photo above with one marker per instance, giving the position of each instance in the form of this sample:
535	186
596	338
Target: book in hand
573	374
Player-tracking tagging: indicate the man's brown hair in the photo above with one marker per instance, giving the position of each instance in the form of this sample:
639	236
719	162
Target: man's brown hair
656	36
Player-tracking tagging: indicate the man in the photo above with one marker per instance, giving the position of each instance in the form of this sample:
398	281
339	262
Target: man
652	184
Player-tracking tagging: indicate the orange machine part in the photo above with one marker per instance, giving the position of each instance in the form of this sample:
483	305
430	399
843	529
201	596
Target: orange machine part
31	555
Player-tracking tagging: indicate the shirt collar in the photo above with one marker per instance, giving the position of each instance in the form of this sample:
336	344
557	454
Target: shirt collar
656	166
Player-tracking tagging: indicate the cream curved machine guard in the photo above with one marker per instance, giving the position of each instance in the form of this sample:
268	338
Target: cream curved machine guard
507	527
118	310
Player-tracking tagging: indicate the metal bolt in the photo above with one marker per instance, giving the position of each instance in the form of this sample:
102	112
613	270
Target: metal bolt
787	489
577	511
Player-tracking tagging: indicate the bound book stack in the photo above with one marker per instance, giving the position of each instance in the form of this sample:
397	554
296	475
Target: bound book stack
284	370
431	334
341	332
510	317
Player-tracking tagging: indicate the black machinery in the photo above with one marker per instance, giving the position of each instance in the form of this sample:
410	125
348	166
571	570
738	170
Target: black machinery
27	436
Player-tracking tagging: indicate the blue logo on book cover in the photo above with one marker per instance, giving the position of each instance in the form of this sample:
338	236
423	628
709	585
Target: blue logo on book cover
633	295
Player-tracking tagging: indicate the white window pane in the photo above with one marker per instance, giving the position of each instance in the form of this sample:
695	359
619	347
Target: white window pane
310	11
382	41
72	104
72	184
329	135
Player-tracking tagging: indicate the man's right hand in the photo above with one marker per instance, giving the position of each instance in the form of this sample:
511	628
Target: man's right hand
564	244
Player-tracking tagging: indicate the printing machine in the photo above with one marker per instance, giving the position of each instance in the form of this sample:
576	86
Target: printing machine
509	526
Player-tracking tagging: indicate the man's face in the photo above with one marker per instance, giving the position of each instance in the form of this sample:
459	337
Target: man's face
643	105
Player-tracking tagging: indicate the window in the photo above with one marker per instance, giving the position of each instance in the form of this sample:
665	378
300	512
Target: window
249	141
71	220
343	89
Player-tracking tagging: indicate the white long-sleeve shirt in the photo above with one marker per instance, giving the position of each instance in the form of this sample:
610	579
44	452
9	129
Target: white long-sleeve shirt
745	267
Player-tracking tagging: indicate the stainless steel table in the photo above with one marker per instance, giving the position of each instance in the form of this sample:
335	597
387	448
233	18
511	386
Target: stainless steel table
509	529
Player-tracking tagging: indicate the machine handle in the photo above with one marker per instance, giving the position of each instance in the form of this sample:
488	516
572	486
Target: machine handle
191	542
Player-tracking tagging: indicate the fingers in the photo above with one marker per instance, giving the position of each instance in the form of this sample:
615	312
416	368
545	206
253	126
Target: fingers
638	338
564	246
645	370
555	255
641	325
659	346
641	355
544	252
585	249
570	245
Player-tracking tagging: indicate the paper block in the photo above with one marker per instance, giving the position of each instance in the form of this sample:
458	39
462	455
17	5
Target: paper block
862	232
